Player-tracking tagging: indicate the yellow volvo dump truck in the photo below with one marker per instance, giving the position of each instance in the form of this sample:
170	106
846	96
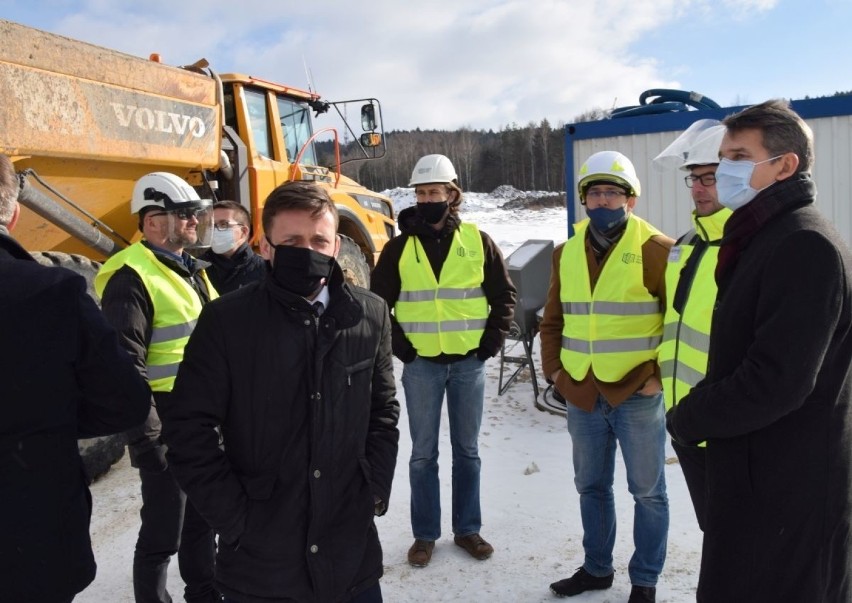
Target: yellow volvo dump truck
81	123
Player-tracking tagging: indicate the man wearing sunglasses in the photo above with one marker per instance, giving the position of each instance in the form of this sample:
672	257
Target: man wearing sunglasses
233	263
152	293
691	286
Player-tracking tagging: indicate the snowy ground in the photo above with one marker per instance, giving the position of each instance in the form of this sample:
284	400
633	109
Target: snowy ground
529	505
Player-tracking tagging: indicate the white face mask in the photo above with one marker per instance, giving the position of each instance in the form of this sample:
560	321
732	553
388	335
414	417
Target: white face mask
733	181
223	240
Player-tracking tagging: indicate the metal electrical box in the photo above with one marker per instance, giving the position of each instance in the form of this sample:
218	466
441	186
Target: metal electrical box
529	269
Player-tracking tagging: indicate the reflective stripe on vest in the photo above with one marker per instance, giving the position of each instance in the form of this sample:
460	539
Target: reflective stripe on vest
446	316
176	309
686	335
619	325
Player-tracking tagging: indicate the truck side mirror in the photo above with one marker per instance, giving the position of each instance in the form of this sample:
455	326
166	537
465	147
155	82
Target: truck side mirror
368	118
371	139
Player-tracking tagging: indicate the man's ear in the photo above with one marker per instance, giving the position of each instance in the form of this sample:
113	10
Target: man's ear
789	165
16	213
244	235
267	251
631	203
336	246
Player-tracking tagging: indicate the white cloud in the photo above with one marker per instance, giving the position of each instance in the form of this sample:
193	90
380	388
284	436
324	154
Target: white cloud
439	64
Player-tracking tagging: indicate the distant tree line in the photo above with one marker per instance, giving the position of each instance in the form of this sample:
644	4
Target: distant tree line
527	157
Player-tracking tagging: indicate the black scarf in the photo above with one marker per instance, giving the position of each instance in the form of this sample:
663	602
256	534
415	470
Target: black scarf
782	197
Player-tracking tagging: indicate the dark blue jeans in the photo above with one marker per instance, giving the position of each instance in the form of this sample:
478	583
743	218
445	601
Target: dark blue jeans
637	426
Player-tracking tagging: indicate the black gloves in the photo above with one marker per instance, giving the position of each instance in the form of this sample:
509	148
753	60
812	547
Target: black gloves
409	356
483	354
153	459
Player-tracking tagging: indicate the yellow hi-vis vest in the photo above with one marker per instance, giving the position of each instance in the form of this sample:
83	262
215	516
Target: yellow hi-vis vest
691	286
176	309
618	326
446	316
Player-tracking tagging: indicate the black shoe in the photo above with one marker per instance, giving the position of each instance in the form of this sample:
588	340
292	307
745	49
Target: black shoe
643	594
580	582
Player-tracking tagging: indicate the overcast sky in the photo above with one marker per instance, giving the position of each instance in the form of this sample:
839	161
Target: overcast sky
484	63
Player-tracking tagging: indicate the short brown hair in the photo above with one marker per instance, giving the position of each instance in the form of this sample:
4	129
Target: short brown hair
783	130
9	187
241	211
301	196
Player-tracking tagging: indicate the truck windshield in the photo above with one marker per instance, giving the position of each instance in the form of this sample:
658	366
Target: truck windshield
296	124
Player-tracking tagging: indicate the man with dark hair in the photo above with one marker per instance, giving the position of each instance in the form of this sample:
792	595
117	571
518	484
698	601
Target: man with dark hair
233	263
297	372
776	405
64	377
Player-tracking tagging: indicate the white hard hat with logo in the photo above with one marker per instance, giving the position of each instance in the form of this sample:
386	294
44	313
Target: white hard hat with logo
433	169
608	166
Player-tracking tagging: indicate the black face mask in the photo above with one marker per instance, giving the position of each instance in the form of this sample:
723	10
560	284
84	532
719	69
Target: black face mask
432	213
300	270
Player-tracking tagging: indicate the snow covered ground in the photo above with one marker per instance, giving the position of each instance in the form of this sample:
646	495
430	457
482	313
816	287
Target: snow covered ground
529	504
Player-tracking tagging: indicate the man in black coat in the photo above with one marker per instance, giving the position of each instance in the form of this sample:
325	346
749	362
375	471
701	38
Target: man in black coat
304	395
233	263
776	404
65	377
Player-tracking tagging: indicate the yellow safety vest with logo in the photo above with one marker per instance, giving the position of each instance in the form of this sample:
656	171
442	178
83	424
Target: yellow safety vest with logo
618	326
176	309
446	316
691	295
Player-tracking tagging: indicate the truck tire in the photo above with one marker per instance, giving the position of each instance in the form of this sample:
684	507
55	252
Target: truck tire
354	264
99	454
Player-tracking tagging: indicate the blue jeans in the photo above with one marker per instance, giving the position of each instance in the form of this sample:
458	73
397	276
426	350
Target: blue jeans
424	383
638	426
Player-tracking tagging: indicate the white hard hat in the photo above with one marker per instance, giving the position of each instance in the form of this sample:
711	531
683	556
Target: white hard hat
705	149
166	191
697	145
608	166
433	168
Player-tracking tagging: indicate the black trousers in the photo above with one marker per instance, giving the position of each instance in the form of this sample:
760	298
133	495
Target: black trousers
371	595
693	463
170	524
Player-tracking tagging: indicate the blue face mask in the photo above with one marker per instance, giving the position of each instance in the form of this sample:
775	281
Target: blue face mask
733	181
605	219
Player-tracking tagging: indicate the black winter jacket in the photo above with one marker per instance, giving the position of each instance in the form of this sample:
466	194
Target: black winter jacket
230	273
64	377
308	415
501	294
776	411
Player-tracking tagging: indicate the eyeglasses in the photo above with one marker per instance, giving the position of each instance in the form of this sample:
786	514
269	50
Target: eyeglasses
704	179
184	213
225	225
609	195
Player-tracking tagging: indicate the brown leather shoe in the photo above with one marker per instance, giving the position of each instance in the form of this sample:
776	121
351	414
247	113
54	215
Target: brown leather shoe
420	553
475	546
